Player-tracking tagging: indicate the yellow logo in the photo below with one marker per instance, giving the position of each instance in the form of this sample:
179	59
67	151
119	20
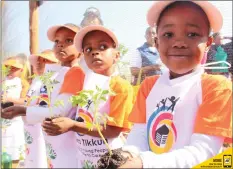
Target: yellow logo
222	160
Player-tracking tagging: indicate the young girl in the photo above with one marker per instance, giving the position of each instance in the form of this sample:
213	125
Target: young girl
35	144
182	117
12	131
99	46
60	150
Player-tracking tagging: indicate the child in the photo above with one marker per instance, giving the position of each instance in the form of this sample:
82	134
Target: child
12	133
60	150
35	144
182	117
99	46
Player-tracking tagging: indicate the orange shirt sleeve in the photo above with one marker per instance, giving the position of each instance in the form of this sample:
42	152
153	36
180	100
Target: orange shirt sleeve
214	116
73	81
138	114
121	104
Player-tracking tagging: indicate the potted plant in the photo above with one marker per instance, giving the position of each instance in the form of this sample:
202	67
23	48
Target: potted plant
113	158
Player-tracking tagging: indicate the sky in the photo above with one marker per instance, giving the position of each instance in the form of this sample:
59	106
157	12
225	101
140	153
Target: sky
126	18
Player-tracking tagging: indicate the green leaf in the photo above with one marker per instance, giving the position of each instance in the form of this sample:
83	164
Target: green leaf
59	103
89	126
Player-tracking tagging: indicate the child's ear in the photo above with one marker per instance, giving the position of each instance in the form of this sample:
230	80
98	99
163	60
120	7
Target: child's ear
117	56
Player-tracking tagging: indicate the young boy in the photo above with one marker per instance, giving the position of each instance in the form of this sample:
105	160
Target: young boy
35	143
183	117
99	46
60	150
12	131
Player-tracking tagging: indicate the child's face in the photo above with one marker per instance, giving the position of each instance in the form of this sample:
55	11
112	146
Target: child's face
14	72
40	65
99	52
182	38
64	49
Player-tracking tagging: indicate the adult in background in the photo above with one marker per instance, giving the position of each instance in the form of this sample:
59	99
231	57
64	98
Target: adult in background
220	52
146	58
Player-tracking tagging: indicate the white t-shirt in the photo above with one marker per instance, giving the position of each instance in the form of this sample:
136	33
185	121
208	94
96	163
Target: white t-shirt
180	117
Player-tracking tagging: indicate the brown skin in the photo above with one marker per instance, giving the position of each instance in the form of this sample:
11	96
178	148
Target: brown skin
182	40
64	49
40	65
100	55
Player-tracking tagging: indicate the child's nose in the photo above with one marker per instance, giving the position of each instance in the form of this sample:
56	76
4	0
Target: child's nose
95	53
180	44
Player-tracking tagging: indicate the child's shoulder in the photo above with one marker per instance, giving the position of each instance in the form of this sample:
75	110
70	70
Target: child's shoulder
215	82
120	85
74	71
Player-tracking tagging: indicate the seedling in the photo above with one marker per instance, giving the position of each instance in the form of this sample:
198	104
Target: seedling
48	81
97	97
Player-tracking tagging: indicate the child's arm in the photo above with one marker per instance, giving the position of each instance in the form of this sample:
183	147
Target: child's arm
201	148
36	114
213	125
62	125
120	108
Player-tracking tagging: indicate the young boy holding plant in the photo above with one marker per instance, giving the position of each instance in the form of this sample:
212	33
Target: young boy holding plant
183	117
60	150
35	144
99	46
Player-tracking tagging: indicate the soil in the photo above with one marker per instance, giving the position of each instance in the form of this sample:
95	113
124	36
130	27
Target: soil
114	161
50	118
6	104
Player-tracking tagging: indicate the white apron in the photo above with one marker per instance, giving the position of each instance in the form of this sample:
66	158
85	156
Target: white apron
167	114
35	144
12	130
91	148
60	150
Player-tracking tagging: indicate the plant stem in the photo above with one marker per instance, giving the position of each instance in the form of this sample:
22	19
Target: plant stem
101	135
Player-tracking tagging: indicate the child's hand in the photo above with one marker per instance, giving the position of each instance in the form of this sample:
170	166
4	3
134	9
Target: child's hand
134	162
58	126
13	111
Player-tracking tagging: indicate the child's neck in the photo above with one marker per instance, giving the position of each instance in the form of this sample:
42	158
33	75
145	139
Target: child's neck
107	72
175	75
70	63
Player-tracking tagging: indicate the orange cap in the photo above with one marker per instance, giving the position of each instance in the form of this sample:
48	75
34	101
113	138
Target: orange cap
13	63
52	30
78	39
214	15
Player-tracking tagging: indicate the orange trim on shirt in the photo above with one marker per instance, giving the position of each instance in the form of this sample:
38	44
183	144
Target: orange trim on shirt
73	81
122	103
214	116
138	114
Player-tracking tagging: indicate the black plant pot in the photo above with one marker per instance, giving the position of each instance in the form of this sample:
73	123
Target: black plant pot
6	104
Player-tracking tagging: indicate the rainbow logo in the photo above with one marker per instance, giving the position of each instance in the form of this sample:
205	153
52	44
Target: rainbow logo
161	131
83	116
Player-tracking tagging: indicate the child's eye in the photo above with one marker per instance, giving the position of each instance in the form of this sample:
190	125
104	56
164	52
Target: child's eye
103	47
69	40
56	42
168	34
87	50
193	34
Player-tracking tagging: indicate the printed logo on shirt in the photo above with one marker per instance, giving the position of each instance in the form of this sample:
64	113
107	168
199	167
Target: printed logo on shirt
43	100
84	116
161	129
